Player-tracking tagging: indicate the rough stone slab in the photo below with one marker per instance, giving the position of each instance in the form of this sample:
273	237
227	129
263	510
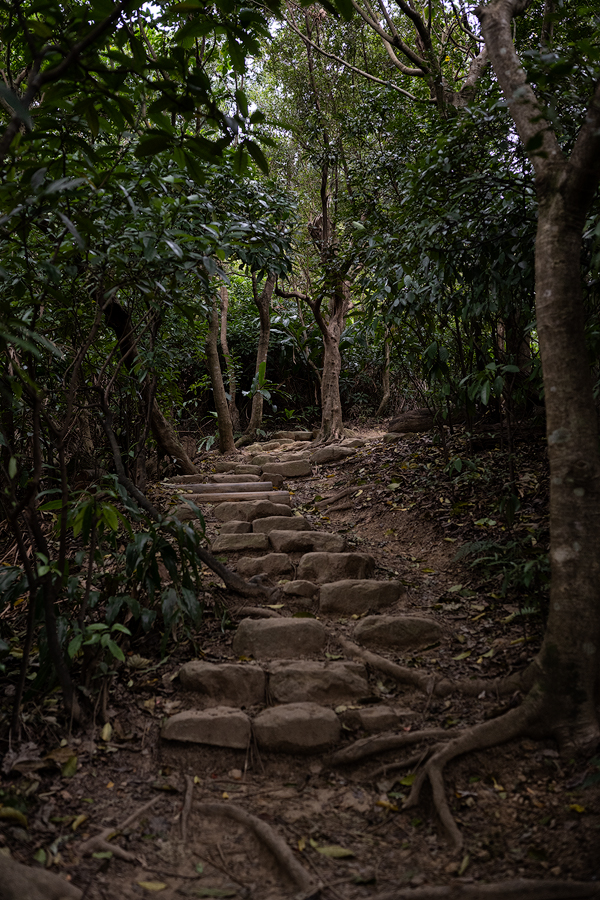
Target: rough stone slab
325	567
273	565
297	728
374	719
294	435
236	527
261	459
184	513
281	523
180	479
398	632
331	454
242	494
298	681
219	488
275	479
279	638
392	437
248	511
224	684
224	478
232	542
354	442
226	465
296	468
300	589
306	541
293	455
354	598
247	469
220	726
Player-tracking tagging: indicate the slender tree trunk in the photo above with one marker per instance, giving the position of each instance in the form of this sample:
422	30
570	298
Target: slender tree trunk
233	410
331	405
226	441
262	300
386	376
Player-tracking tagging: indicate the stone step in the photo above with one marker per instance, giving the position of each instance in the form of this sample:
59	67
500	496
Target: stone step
331	454
220	726
236	488
306	541
234	543
322	568
225	684
273	565
330	682
350	597
297	728
225	478
297	468
398	632
250	510
230	465
281	523
294	435
279	638
223	496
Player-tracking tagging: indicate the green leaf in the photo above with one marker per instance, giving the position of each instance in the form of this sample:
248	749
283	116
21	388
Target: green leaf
20	110
257	155
70	767
334	851
12	467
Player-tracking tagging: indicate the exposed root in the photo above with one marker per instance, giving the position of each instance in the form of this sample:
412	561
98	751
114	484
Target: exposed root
416	760
370	746
518	889
278	847
340	495
18	881
101	841
430	685
187	807
488	734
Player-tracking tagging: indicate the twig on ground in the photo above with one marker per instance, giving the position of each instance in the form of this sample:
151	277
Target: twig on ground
101	841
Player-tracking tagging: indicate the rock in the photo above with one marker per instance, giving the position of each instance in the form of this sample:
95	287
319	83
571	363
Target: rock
377	718
330	454
397	632
297	728
295	681
247	469
354	442
235	542
224	684
275	479
273	565
226	465
354	598
300	589
249	510
234	479
413	421
219	726
295	468
236	527
260	459
392	437
184	513
294	435
281	523
306	541
279	638
325	567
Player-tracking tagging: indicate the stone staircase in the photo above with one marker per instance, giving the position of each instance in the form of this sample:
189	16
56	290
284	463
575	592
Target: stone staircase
290	690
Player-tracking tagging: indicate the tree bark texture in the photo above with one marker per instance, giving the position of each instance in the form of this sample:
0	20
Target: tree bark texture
226	441
385	382
233	410
164	433
262	300
568	662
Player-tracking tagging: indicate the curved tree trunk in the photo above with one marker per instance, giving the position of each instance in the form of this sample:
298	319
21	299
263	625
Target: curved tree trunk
263	304
233	410
386	376
165	435
226	441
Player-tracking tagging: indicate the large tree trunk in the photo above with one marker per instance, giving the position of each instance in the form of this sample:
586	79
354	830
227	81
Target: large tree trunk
226	441
331	405
233	410
568	663
262	300
164	433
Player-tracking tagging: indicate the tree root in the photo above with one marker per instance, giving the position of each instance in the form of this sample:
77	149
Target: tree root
18	881
278	847
430	685
187	807
101	841
518	889
370	746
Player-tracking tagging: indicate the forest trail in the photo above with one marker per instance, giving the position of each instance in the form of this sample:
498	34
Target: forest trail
247	726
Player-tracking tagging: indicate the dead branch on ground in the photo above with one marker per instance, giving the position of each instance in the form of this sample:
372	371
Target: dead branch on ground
100	843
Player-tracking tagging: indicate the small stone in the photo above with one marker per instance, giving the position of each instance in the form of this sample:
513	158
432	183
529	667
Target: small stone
219	726
330	454
224	684
275	479
398	632
354	598
294	681
297	728
236	527
273	565
323	568
279	638
281	523
232	542
249	510
296	468
306	541
300	589
235	774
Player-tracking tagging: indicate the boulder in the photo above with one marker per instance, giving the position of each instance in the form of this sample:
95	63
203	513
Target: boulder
298	681
295	468
330	454
300	589
281	523
219	726
224	684
236	527
398	632
297	728
249	510
412	421
325	567
306	541
354	598
279	638
273	565
231	543
374	719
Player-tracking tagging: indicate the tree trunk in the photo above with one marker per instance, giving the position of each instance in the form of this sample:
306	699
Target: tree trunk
233	410
568	663
386	376
332	426
226	441
263	304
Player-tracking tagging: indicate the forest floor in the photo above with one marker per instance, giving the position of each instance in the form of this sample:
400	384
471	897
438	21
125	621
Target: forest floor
523	810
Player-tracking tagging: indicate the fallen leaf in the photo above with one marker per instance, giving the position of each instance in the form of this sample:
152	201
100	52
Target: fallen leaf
301	844
13	815
102	854
70	767
79	821
385	804
334	851
574	807
464	655
152	885
107	732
